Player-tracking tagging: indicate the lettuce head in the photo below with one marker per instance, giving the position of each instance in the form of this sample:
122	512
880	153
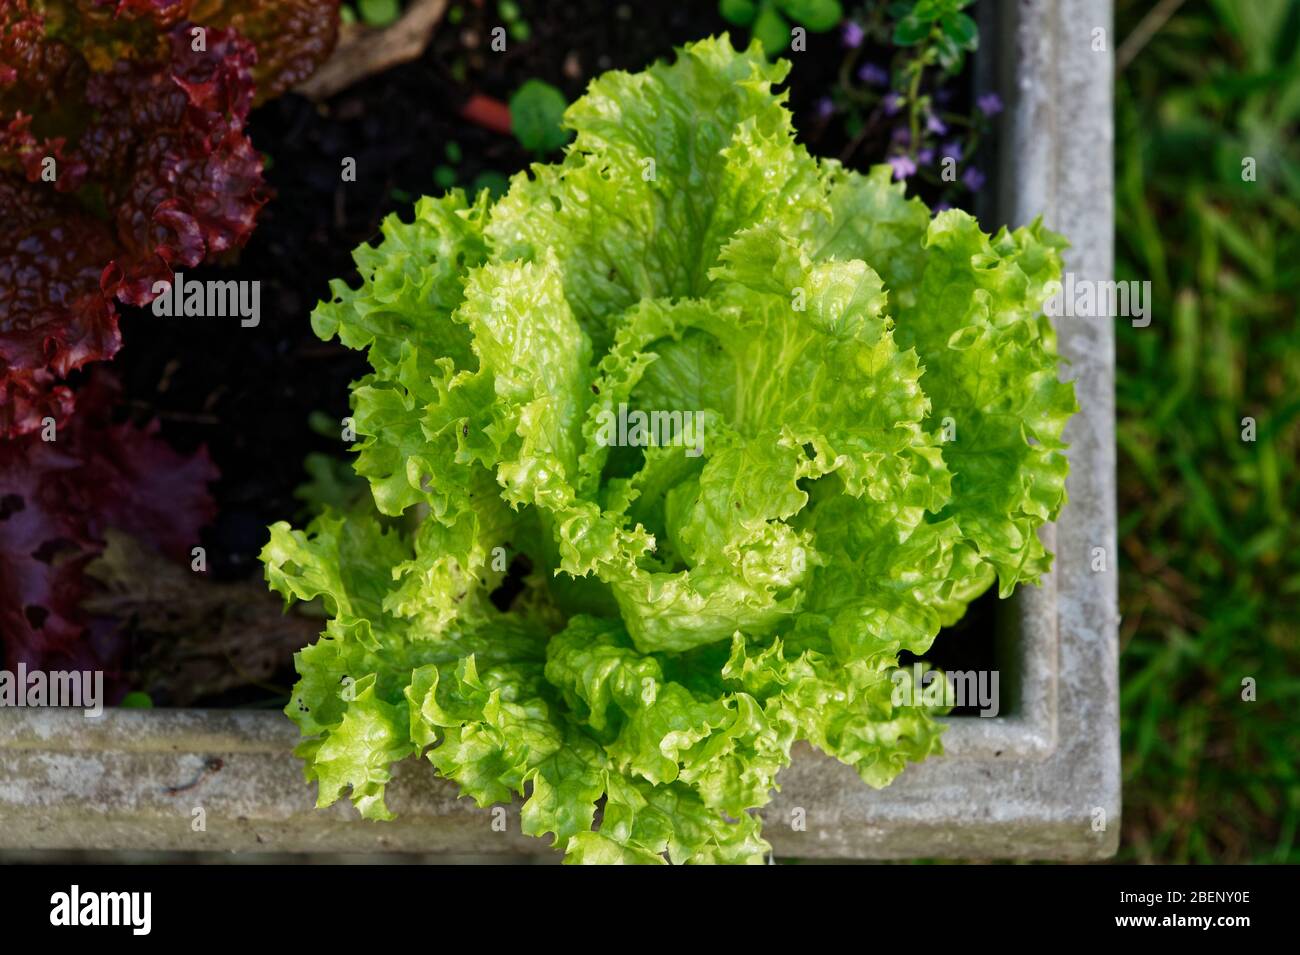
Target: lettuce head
671	450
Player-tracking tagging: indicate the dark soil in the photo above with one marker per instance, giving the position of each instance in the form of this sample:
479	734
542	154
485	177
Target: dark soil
247	393
971	644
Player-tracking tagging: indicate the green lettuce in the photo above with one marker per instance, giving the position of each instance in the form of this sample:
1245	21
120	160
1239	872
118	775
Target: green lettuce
874	439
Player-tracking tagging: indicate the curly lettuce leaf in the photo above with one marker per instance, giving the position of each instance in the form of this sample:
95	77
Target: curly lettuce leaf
970	305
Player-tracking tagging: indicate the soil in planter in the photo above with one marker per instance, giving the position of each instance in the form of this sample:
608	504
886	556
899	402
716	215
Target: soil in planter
248	393
970	644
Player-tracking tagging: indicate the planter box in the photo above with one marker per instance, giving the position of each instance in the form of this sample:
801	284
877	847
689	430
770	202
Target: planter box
1041	781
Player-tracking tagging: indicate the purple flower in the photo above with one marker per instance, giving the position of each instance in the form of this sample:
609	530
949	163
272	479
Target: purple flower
893	103
935	125
925	157
901	134
902	166
852	34
873	75
990	104
973	179
940	207
824	107
951	148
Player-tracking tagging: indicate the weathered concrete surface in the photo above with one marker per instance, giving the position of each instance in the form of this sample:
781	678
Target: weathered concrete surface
1031	785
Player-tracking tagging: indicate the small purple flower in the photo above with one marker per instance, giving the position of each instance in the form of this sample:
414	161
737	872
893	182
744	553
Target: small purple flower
873	75
902	166
901	134
990	104
951	148
925	157
973	179
935	125
852	35
940	207
893	103
824	108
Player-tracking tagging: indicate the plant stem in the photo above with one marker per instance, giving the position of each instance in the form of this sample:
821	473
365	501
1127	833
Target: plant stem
912	97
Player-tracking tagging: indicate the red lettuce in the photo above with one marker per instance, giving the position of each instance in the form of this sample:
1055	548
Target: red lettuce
57	500
155	172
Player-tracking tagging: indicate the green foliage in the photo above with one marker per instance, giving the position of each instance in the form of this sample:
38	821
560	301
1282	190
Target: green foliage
444	177
537	115
1210	581
514	20
494	182
379	13
893	96
771	20
942	24
687	609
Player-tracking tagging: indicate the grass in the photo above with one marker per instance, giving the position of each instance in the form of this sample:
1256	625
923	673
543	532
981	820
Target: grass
1210	569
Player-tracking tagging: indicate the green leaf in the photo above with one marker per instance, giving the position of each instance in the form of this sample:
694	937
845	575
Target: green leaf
537	116
359	752
616	212
929	11
771	30
379	13
962	30
949	54
996	380
495	183
817	15
444	176
911	30
738	12
565	787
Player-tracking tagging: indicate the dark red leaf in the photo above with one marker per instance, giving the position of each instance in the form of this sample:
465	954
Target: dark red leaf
164	148
58	497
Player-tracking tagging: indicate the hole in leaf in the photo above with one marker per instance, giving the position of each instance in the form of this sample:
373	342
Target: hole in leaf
50	550
11	504
512	585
